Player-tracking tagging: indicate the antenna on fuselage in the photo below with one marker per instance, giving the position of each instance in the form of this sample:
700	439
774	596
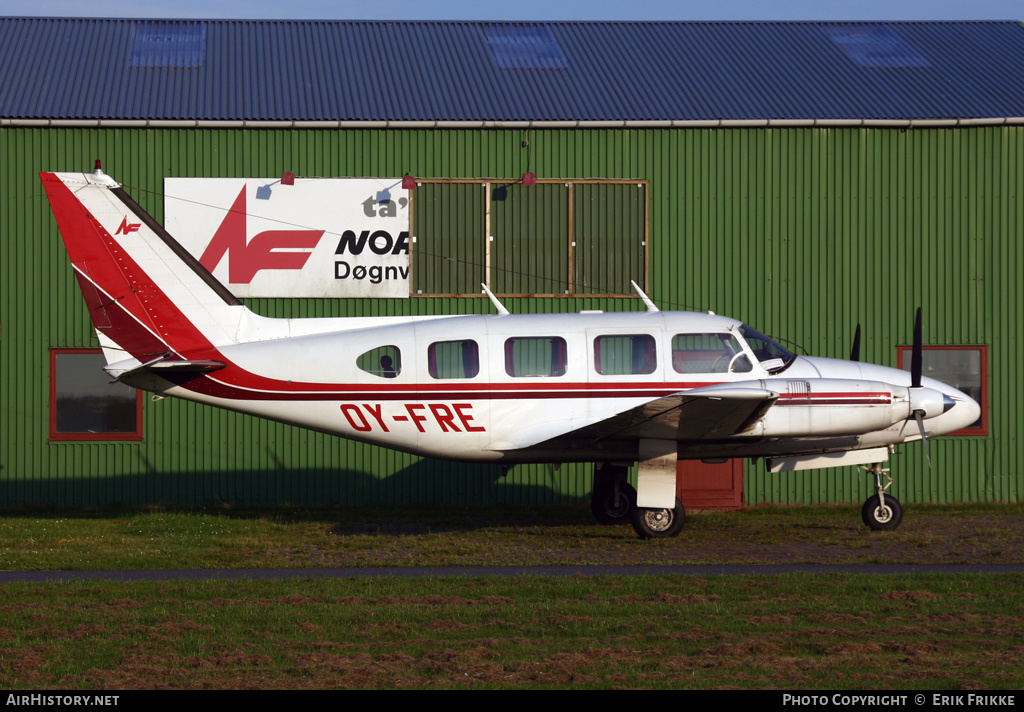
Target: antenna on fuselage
494	300
647	300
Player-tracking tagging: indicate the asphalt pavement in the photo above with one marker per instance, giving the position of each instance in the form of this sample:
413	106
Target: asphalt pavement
504	571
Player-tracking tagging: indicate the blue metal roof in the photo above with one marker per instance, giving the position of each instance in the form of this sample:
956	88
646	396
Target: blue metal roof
233	70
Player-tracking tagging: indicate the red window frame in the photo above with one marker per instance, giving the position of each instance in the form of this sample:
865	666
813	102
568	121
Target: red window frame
80	437
983	402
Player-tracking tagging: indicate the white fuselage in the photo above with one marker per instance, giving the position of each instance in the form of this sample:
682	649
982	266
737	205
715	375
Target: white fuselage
483	411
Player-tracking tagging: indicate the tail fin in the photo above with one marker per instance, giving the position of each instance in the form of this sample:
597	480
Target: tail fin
146	294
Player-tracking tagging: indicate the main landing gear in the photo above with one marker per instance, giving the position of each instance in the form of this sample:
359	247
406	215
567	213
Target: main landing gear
882	512
613	501
613	498
659	523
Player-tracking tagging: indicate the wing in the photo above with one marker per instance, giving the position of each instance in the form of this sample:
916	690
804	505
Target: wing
709	413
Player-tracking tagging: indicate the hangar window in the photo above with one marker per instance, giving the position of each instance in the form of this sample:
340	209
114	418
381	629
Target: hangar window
85	405
554	238
535	356
625	354
453	359
963	367
383	361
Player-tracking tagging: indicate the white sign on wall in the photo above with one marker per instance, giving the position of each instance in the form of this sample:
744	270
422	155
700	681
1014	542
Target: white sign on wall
322	237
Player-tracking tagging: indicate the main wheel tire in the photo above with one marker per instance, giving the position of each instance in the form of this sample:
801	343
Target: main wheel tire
879	518
659	523
609	509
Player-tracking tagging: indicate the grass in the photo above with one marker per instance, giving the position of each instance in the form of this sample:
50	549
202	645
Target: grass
428	536
939	632
799	631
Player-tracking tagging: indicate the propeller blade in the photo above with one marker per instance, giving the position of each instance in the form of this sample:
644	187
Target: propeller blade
855	351
916	358
924	438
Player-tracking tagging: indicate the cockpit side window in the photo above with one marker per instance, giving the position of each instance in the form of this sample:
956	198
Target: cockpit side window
772	357
383	361
453	359
625	354
708	353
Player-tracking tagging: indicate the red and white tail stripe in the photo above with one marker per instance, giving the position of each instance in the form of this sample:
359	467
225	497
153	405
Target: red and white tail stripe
145	293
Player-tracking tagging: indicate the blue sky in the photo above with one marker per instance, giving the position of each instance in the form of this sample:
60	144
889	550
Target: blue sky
527	9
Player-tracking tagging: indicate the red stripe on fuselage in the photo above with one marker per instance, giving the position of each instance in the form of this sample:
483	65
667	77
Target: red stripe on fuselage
814	399
236	383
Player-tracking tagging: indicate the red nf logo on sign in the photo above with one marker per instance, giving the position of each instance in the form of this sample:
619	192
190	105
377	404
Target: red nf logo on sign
126	228
248	258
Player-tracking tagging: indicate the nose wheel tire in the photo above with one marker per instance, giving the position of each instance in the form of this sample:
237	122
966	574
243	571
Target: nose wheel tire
611	507
882	517
659	523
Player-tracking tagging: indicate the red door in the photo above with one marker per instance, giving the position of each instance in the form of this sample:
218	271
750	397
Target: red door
703	486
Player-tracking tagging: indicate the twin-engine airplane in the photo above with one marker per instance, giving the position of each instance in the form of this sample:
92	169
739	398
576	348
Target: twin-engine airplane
611	389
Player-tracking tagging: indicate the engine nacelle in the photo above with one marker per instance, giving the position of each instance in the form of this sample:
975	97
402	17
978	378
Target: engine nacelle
834	406
929	402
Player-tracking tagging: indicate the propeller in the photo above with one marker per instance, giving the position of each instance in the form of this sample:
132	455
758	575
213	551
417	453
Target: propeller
924	402
916	366
916	355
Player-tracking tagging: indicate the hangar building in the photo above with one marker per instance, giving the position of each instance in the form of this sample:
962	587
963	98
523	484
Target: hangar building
801	177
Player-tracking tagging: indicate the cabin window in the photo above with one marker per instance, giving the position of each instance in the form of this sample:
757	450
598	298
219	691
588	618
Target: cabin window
383	361
85	405
965	368
625	354
535	356
453	359
708	353
555	238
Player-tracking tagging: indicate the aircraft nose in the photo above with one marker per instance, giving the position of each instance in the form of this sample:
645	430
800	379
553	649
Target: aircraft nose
963	410
947	403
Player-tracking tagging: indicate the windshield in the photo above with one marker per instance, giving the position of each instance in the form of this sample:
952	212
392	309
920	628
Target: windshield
772	357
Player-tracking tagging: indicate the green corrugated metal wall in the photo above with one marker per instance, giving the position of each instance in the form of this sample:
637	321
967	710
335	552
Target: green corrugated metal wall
530	257
800	232
448	214
595	267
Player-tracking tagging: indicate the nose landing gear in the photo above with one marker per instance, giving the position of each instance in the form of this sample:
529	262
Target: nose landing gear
881	512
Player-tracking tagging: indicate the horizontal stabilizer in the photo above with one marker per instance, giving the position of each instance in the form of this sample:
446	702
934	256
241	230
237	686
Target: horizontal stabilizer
164	364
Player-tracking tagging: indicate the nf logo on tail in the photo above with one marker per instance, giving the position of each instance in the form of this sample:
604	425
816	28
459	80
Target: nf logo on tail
127	227
245	259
